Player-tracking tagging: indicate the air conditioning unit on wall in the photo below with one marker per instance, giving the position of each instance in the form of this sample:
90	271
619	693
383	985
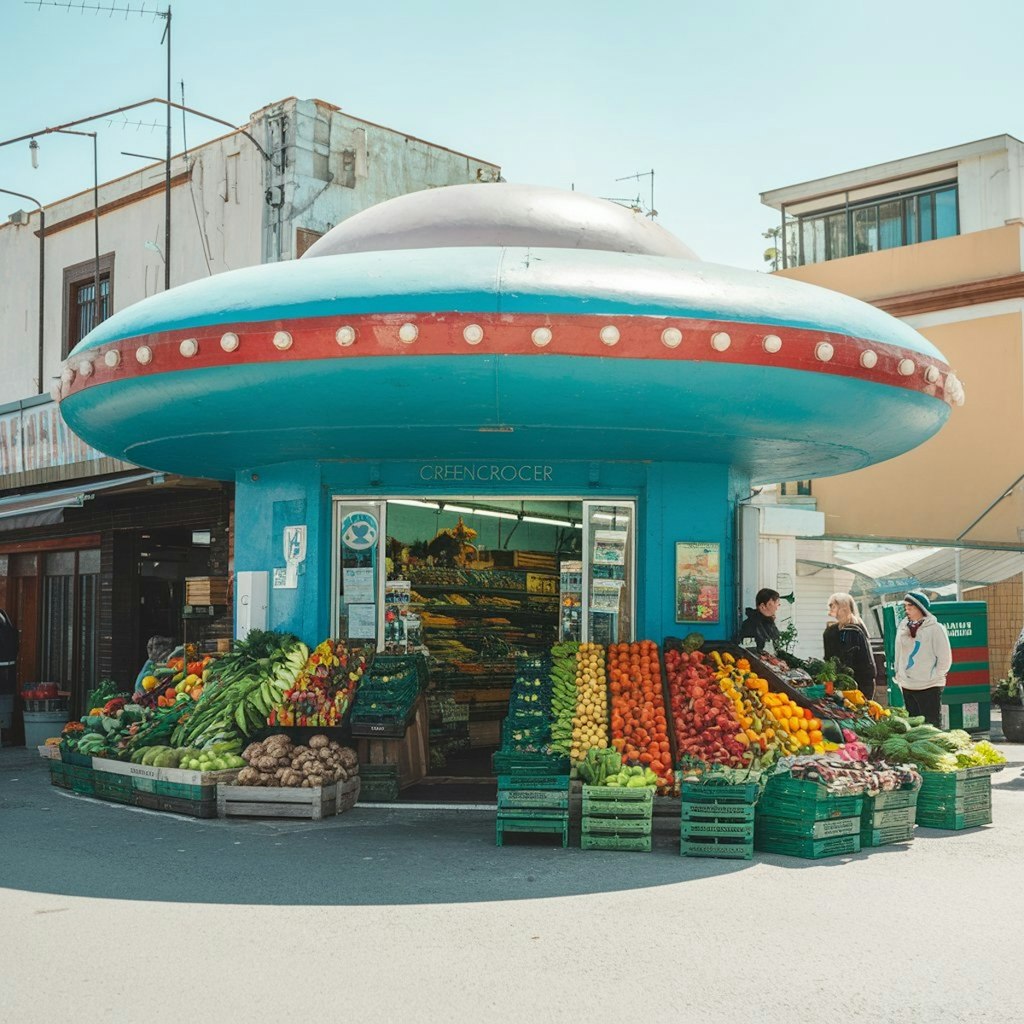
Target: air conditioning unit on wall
18	217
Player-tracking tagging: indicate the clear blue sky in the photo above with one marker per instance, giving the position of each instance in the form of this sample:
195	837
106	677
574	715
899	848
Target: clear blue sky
723	100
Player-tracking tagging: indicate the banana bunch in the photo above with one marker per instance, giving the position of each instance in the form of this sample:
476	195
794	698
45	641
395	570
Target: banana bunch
563	695
244	695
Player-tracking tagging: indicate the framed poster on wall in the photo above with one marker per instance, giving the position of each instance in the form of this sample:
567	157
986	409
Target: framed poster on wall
698	581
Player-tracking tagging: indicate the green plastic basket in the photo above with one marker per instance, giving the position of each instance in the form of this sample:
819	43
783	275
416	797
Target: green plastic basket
616	808
174	805
638	844
81	780
116	788
615	826
717	829
59	776
886	836
533	798
711	792
893	818
789	828
808	849
506	762
172	790
810	809
618	794
526	780
507	826
784	787
891	800
727	813
955	821
720	847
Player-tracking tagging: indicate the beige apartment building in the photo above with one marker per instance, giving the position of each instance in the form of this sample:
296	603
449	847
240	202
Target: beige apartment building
936	239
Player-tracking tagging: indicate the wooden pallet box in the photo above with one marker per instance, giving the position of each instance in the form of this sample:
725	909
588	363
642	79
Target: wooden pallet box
287	801
410	752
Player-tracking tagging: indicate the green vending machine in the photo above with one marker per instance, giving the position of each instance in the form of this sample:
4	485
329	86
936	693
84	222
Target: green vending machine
967	698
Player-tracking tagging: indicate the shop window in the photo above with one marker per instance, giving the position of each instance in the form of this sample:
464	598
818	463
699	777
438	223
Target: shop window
887	223
80	310
609	539
70	618
795	488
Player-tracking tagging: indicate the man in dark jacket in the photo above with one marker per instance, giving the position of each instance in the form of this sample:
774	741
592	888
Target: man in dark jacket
759	625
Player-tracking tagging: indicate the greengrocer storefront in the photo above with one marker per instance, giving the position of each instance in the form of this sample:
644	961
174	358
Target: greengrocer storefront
476	421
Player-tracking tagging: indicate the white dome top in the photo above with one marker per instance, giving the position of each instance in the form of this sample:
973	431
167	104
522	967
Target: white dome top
497	215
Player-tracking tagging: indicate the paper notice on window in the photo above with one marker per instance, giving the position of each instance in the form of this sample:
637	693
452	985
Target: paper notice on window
358	586
362	621
610	547
605	595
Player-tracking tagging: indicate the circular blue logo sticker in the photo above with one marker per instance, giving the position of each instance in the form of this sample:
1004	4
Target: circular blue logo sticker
359	531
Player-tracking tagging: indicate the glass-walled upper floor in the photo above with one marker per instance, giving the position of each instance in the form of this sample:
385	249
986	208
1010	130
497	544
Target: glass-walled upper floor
886	223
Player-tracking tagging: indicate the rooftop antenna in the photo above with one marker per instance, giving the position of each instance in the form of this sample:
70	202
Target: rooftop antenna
652	212
129	9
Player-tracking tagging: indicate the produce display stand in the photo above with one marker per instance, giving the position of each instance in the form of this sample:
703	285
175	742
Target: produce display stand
617	818
385	704
801	818
717	820
956	800
405	758
315	803
534	802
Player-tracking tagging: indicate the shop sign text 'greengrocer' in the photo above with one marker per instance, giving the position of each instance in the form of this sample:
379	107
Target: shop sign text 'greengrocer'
486	472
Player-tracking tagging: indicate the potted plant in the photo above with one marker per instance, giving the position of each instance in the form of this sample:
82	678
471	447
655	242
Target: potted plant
1009	697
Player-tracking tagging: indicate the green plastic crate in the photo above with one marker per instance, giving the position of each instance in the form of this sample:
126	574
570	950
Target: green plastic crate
891	800
790	828
617	808
508	762
639	844
710	792
615	826
172	790
730	813
525	780
505	826
956	805
784	787
808	849
954	821
810	809
888	819
954	782
534	813
721	847
886	836
634	794
116	788
717	829
533	798
59	776
175	805
81	780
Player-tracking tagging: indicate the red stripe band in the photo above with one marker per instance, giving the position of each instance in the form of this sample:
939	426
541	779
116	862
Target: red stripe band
429	334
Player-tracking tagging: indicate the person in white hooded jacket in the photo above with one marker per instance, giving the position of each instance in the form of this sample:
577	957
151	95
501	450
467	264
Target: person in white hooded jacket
923	657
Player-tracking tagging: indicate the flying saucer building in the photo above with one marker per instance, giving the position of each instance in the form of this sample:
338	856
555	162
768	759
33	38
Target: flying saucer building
529	356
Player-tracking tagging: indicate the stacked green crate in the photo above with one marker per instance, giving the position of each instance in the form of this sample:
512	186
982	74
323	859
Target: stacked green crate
800	818
526	730
955	800
378	783
532	801
617	818
888	817
717	820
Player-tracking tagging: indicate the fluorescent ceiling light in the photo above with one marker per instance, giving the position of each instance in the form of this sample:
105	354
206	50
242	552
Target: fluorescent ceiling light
414	504
546	522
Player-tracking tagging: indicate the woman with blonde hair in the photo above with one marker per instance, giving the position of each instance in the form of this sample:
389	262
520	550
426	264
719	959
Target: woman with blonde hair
847	640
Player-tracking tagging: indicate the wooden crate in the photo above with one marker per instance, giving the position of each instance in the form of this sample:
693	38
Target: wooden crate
206	590
287	801
410	752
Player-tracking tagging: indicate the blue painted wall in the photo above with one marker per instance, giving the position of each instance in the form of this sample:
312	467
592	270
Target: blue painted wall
675	501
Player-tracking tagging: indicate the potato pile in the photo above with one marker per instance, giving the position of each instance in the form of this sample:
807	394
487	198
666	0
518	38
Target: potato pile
276	762
590	723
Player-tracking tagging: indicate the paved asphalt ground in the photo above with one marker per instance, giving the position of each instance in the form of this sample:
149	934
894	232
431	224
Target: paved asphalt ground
114	914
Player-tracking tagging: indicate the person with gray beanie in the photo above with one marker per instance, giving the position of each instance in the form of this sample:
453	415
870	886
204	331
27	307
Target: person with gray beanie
923	657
